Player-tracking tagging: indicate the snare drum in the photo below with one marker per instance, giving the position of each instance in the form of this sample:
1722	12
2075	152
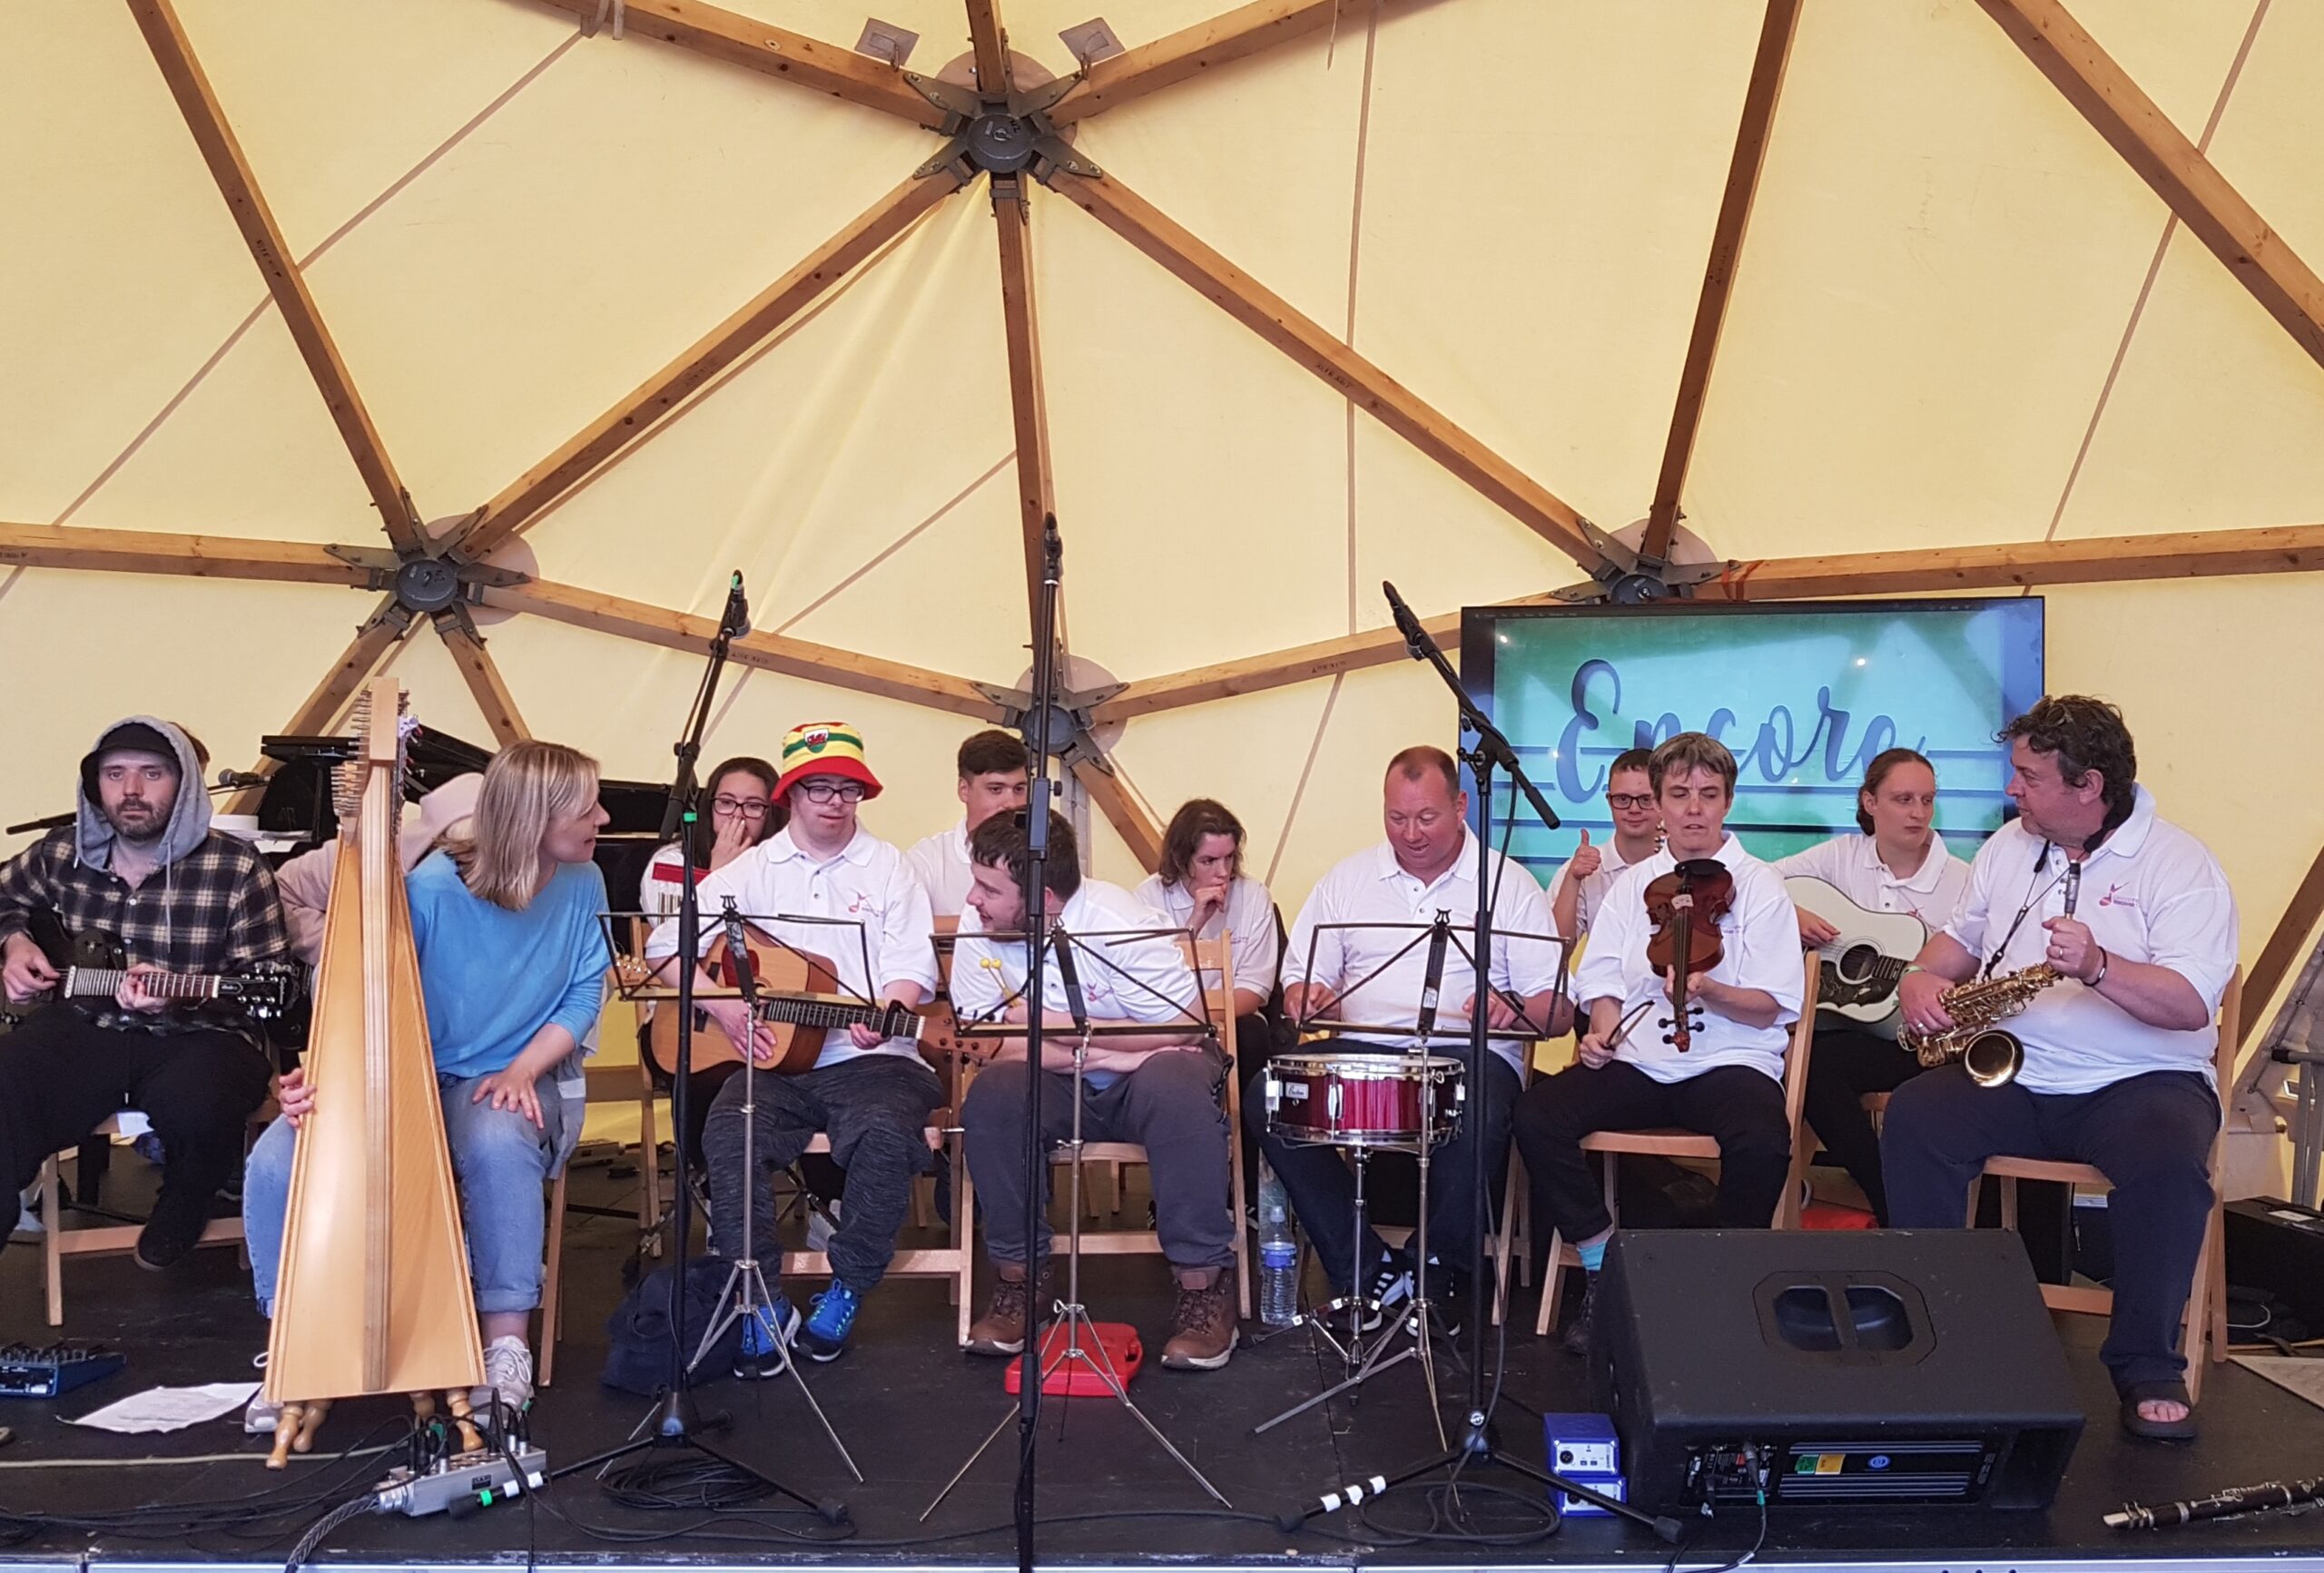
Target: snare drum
1363	1100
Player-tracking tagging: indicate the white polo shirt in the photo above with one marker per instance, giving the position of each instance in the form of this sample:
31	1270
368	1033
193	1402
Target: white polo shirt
1249	917
2151	893
1760	938
1852	865
1593	889
940	863
1372	887
881	916
1129	977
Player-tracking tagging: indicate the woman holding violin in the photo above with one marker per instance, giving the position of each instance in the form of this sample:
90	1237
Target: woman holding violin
1691	982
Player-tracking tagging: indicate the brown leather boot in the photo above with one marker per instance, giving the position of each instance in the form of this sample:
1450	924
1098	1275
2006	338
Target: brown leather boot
1001	1329
1202	1327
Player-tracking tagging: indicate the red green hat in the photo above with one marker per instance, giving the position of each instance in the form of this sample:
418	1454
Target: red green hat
824	748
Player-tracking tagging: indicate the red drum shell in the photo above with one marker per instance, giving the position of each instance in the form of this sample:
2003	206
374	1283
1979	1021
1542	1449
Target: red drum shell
1363	1100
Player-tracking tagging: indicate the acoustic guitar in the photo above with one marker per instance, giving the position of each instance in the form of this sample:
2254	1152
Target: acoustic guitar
1861	967
798	996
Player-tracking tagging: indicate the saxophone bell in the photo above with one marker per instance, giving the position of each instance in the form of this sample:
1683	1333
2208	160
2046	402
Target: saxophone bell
1994	1057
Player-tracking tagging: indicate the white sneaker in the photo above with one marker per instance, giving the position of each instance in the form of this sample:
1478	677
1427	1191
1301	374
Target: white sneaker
507	1375
822	1223
261	1416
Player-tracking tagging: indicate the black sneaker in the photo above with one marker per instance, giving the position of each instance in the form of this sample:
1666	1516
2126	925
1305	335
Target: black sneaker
1577	1329
174	1229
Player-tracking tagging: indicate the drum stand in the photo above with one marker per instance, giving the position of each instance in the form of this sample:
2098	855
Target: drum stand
1075	1322
1408	1335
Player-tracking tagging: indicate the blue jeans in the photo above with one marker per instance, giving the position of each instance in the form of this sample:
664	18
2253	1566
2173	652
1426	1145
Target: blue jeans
499	1160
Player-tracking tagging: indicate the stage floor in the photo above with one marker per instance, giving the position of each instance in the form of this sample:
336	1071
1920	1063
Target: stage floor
912	1408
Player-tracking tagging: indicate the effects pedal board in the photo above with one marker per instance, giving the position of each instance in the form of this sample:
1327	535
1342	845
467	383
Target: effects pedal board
54	1370
462	1484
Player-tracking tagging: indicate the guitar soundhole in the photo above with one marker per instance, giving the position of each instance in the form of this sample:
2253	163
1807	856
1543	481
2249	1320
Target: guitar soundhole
1857	962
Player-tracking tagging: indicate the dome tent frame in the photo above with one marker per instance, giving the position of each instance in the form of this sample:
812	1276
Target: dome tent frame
440	575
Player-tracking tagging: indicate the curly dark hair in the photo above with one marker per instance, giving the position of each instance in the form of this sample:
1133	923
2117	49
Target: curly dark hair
2083	734
1001	842
1877	771
1197	818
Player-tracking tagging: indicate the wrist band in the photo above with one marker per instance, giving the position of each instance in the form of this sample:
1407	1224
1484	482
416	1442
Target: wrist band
2103	961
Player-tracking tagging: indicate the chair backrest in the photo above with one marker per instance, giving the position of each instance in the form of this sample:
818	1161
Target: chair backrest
2230	1023
1802	1033
1209	958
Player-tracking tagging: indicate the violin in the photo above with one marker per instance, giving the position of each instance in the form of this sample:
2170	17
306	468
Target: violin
1685	906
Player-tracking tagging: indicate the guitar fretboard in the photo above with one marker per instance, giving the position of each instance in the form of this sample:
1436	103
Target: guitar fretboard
93	983
833	1015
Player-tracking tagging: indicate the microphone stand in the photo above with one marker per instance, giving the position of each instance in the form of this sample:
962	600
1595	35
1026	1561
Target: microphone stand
670	1425
1490	751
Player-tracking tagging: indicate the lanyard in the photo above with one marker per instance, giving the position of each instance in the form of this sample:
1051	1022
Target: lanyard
2073	878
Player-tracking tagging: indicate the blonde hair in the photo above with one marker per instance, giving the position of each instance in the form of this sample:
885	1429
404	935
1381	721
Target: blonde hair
529	787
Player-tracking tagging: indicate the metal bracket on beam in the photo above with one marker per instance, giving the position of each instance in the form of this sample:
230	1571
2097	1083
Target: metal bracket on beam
427	585
1629	579
1070	717
1001	137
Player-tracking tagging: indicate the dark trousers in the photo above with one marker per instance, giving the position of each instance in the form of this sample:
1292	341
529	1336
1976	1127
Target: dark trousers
1740	1108
1844	1066
874	1107
61	1074
1322	1187
1168	1105
2150	1134
1254	1046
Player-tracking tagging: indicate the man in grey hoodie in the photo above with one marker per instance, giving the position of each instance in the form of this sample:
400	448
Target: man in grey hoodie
139	862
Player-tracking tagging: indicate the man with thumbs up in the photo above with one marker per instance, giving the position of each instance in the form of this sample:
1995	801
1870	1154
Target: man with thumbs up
1591	872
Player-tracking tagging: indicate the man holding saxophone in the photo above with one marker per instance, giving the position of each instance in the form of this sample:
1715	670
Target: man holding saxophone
2133	917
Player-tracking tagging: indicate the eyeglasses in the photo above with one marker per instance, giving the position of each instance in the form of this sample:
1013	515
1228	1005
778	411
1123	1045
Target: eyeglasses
742	808
1630	799
823	791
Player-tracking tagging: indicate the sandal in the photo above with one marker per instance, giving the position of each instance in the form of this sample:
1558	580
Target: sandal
2137	1425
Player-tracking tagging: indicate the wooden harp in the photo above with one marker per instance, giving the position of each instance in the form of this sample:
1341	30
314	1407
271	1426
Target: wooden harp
374	1293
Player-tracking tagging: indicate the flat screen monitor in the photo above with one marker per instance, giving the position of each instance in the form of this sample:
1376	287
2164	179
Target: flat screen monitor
1806	693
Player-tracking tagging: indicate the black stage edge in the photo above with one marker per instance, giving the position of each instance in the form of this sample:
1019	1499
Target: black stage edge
912	1406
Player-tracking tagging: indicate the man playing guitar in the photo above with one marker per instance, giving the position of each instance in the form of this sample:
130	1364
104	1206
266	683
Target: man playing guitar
2135	917
141	862
1899	864
870	1096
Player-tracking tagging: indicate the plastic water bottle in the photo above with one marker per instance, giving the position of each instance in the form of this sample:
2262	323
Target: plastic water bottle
1279	1253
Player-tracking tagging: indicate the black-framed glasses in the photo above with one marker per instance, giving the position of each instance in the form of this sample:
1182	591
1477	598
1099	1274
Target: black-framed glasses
1630	799
740	808
823	791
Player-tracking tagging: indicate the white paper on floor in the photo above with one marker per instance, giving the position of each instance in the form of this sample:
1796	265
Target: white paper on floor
169	1409
2304	1377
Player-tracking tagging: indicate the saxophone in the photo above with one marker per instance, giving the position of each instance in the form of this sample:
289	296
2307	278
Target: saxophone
1991	1055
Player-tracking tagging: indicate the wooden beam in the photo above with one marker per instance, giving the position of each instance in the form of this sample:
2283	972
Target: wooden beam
376	635
988	43
1122	810
1205	46
165	37
797	658
2287	942
776	51
1277	321
1760	97
603	439
1036	480
1276	669
2098	560
197	556
2120	112
482	674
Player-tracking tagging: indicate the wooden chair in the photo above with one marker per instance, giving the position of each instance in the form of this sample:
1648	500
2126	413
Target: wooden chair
1678	1144
108	1239
1212	960
2205	1324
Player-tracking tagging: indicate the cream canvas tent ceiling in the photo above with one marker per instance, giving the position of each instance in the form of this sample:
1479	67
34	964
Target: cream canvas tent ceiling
622	298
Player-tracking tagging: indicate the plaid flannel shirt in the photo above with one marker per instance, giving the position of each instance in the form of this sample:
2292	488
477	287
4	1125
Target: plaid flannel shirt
213	910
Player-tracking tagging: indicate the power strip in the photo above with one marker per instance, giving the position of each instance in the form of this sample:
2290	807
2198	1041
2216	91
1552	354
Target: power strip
460	1485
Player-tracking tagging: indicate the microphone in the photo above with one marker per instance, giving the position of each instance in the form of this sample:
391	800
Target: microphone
738	952
1052	550
1069	976
241	777
1416	639
1438	934
736	621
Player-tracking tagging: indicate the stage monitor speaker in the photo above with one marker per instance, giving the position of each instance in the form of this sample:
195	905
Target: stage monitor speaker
1831	1368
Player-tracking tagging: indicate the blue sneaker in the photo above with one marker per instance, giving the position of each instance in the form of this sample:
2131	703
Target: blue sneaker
767	1337
830	1320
